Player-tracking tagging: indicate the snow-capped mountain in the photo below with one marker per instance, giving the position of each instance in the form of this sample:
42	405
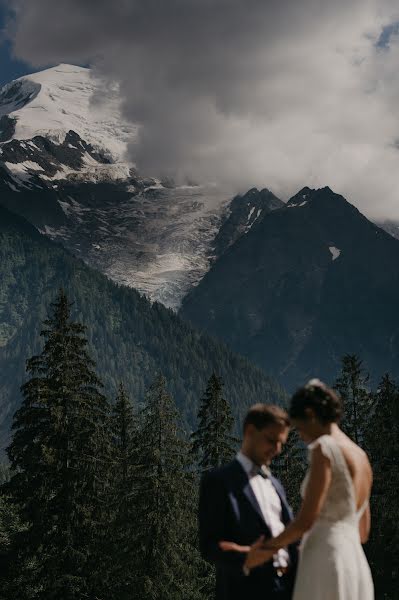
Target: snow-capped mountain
64	166
61	99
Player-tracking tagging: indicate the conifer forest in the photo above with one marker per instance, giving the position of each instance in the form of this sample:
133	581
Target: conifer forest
99	491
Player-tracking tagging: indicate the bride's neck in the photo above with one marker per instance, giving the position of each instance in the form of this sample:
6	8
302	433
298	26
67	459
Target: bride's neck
328	429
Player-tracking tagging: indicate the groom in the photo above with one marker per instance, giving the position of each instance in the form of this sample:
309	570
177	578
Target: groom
242	501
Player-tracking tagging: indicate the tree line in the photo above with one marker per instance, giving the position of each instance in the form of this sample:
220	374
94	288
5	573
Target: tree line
99	499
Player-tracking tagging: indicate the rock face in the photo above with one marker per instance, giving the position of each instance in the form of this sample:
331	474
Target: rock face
7	128
310	282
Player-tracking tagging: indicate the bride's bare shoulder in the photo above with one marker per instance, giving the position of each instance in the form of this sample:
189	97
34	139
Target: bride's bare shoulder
356	457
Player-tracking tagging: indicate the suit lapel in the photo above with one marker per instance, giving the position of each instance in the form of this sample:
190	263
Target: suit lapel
249	493
243	485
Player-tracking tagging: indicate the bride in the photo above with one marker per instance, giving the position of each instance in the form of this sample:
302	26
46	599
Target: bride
334	519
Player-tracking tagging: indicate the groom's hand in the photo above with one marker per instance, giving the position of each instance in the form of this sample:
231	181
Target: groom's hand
233	547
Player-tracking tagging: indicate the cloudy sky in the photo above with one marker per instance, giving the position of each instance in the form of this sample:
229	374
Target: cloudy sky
278	94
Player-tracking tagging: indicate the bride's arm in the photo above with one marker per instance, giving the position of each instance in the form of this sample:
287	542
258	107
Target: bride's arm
365	525
315	495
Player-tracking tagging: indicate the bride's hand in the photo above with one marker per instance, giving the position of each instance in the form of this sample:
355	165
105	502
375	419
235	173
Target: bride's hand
258	555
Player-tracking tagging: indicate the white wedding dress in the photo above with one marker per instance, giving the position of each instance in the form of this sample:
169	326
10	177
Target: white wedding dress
332	564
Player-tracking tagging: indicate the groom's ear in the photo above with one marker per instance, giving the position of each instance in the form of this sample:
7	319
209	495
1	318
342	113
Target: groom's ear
249	429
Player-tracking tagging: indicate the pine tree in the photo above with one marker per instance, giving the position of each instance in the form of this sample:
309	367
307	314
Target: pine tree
4	473
10	530
168	564
353	387
382	440
122	543
60	458
290	467
212	443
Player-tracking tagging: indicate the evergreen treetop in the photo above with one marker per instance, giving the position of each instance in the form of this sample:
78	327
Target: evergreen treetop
213	443
353	386
122	543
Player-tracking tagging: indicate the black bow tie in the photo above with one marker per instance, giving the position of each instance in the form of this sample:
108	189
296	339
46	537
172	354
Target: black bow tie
262	470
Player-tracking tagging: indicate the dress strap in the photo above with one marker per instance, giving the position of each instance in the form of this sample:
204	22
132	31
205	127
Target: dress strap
326	445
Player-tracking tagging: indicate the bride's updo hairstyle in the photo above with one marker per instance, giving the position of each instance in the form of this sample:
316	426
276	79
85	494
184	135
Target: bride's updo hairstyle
320	398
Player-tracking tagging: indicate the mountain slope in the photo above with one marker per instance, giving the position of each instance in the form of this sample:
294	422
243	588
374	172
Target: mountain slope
130	338
312	281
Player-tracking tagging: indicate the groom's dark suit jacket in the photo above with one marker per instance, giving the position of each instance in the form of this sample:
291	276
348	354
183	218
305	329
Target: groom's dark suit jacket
228	510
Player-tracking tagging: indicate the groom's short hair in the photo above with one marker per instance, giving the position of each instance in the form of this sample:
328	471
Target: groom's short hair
263	415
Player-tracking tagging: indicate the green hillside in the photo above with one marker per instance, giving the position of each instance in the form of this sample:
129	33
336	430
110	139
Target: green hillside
130	338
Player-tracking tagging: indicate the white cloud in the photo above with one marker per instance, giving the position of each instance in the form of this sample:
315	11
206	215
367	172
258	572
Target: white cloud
249	92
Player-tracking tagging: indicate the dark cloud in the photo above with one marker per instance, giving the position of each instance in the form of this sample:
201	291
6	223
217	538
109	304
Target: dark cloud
250	92
388	32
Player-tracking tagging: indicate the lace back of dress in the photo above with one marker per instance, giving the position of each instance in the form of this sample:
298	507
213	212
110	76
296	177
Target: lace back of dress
340	504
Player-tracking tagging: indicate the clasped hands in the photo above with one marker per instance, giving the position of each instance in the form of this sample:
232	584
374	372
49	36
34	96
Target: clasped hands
257	554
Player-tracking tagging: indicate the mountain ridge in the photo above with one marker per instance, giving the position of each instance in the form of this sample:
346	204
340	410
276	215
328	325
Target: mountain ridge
286	294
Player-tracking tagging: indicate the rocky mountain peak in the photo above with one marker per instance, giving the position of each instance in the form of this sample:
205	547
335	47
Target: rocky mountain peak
308	194
245	211
301	197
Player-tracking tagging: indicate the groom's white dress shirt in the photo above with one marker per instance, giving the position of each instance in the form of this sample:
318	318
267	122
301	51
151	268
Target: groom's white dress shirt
269	503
